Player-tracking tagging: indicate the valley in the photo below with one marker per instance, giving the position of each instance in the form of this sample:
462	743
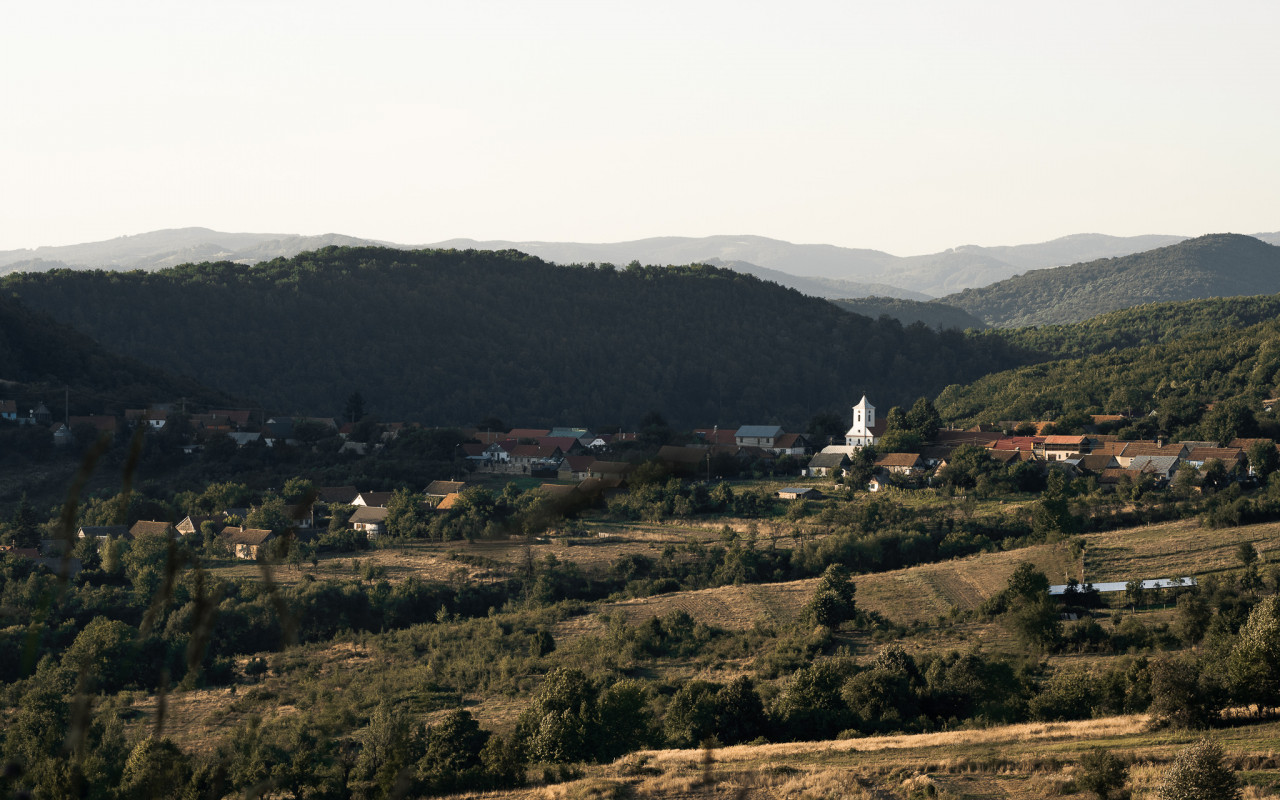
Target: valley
672	576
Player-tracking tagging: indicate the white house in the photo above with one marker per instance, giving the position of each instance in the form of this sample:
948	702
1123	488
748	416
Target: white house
370	519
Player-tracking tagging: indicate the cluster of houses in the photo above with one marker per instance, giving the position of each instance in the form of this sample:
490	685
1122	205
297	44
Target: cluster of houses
369	517
1107	457
243	542
574	453
242	426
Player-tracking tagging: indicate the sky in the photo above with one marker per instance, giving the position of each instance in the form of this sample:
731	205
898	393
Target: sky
907	127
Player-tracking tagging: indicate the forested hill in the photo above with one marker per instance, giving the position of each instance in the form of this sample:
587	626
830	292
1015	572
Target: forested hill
1208	384
1155	323
448	337
1219	265
934	314
39	358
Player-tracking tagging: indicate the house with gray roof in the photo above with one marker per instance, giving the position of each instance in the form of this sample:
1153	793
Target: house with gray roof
337	495
757	435
799	493
247	543
1094	462
373	499
575	433
370	519
1163	467
827	464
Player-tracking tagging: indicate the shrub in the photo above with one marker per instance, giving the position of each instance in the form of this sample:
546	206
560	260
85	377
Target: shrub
1199	774
1102	773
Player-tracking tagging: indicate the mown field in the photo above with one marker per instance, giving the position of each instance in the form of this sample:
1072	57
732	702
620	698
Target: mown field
1018	762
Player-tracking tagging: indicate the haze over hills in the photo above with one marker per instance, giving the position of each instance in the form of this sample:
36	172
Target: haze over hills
935	314
822	270
932	274
1218	265
169	248
830	288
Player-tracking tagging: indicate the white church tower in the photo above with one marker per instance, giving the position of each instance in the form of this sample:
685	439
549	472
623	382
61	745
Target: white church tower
864	419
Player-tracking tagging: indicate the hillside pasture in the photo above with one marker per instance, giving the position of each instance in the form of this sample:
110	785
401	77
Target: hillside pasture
910	595
1174	549
1019	762
479	560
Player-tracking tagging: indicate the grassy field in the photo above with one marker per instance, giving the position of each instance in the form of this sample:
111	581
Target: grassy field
1174	549
435	561
1018	762
929	594
915	594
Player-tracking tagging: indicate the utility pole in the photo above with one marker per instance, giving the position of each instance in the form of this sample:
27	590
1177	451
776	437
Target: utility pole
715	438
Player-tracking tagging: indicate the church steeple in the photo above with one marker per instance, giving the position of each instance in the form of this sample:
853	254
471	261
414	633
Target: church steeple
864	419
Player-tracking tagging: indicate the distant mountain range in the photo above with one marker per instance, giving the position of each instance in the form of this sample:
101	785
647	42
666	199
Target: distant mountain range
829	288
1219	265
816	269
169	248
928	275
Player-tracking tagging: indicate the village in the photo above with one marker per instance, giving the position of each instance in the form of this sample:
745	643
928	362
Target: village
577	469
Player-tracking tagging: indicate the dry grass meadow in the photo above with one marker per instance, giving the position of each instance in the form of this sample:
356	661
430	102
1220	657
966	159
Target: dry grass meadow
915	594
1018	762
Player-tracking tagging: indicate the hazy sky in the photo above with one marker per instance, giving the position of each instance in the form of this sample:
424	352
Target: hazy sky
908	127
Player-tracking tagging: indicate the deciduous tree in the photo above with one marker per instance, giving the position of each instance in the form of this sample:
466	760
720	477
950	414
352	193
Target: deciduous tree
1254	664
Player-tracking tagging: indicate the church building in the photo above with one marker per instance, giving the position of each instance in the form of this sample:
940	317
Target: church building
865	430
